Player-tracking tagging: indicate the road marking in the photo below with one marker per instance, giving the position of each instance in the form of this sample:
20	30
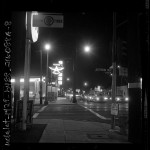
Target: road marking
98	115
35	115
42	108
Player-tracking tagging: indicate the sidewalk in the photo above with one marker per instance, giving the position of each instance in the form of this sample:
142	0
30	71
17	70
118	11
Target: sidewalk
71	131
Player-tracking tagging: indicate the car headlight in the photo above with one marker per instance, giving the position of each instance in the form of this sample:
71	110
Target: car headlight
105	98
118	99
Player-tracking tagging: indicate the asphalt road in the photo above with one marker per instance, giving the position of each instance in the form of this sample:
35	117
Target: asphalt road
104	109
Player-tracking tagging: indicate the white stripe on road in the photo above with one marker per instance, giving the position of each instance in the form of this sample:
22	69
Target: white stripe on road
42	108
36	114
98	115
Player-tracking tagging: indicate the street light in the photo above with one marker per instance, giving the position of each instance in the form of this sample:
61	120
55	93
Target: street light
68	79
85	83
86	49
47	48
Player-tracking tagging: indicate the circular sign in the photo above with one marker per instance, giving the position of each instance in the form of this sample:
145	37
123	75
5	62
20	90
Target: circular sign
48	20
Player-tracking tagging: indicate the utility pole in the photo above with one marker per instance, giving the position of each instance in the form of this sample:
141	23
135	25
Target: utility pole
46	94
41	80
26	71
74	76
114	67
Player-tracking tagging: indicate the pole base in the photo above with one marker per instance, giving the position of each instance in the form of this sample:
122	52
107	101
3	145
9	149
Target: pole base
46	103
74	101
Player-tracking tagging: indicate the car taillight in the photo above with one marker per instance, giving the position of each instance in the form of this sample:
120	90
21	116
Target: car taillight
97	98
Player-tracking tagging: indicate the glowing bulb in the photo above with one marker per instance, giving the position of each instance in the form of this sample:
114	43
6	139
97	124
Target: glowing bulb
87	49
47	46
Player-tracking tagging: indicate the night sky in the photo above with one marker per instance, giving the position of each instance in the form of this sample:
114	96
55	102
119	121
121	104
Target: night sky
80	28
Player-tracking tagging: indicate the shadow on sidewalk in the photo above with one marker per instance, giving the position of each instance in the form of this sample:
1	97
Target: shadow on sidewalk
31	135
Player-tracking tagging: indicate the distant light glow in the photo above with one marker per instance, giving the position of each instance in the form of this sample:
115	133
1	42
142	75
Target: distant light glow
60	82
59	78
118	99
85	84
97	98
30	92
60	62
30	80
87	48
12	80
68	79
21	80
60	75
105	98
43	79
141	82
47	46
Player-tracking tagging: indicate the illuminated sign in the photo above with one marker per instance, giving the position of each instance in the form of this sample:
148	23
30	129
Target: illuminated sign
56	70
33	31
60	82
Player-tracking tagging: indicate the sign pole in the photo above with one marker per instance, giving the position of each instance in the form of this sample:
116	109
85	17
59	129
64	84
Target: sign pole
26	72
114	67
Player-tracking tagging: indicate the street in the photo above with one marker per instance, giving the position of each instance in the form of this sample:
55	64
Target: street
103	109
89	111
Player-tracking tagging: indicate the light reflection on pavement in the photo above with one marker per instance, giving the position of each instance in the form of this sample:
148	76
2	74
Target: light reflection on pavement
104	108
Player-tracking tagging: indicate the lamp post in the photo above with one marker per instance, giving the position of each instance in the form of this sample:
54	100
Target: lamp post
47	48
114	68
41	80
86	50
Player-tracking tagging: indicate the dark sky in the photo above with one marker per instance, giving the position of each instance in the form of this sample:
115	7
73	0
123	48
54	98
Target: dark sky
80	28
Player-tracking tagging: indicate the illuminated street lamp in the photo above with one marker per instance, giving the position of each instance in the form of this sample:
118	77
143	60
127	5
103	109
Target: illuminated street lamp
86	49
47	48
85	83
68	79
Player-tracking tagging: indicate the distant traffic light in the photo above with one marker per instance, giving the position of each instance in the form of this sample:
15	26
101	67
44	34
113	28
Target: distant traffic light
122	55
124	48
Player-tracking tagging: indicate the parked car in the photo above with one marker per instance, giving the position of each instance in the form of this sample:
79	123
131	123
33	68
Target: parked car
122	99
102	98
69	96
90	97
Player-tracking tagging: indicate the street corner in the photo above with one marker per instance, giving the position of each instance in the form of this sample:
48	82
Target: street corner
117	135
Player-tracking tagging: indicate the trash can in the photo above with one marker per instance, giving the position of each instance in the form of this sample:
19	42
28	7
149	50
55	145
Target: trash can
18	119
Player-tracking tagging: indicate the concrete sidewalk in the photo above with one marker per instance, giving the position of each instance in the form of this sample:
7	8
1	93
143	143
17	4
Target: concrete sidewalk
71	131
